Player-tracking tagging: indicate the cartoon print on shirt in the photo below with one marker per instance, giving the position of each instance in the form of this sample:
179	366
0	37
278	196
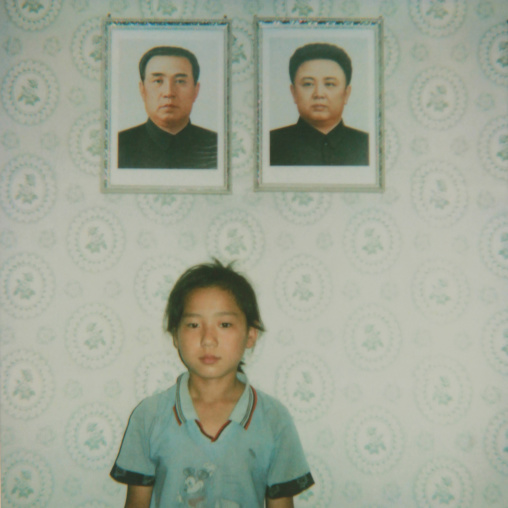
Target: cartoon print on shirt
193	491
196	483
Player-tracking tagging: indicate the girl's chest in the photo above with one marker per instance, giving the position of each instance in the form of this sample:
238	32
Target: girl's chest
250	449
234	467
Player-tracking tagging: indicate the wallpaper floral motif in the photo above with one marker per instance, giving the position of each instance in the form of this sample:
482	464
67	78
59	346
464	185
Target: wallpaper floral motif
386	314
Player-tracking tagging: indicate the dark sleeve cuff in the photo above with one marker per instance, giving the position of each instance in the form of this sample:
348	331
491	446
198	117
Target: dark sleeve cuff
290	489
130	478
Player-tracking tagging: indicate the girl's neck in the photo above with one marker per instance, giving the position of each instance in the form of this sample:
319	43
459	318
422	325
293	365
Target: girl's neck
227	389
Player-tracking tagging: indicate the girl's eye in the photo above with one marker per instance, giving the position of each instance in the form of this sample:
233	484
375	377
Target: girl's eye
191	325
226	325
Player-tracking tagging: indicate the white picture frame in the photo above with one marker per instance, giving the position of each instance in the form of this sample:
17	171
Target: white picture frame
276	40
126	40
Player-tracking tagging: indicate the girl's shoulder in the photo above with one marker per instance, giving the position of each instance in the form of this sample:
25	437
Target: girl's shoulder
272	408
156	405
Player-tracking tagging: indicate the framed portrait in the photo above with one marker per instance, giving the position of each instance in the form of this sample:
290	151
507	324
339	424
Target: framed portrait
166	106
320	114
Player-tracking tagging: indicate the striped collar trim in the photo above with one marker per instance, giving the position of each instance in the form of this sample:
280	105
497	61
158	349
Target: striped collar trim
241	414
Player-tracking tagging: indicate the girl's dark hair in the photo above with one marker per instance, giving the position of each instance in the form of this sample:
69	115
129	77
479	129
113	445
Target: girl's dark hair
209	275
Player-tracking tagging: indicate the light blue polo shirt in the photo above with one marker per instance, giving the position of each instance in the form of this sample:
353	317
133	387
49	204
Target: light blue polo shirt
257	453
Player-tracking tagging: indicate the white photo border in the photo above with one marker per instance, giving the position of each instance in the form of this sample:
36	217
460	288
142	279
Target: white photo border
166	32
317	178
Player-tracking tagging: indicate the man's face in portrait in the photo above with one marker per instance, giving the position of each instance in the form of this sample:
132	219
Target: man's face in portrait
320	93
169	92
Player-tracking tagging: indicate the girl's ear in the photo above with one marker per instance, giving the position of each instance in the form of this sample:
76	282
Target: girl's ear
252	337
175	340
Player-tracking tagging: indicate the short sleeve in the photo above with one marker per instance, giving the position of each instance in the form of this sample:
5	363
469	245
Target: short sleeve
289	472
133	465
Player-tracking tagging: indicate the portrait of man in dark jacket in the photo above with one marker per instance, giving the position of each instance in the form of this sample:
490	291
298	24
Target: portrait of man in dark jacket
169	86
320	75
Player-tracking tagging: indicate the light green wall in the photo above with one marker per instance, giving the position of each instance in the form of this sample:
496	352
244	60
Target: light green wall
386	313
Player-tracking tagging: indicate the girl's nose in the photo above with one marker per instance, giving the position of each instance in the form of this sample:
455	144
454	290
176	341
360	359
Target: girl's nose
209	336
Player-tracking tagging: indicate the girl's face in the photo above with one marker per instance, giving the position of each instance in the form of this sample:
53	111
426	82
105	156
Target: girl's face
213	334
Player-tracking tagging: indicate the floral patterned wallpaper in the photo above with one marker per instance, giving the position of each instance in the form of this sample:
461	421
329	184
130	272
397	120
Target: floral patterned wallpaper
386	313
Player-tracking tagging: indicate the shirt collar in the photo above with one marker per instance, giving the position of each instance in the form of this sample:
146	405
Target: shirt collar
162	137
333	137
241	414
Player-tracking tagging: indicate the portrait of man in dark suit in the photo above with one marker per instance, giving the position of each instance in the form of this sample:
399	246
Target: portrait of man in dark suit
320	75
169	86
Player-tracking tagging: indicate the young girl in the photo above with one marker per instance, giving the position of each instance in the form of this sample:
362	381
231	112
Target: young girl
211	440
